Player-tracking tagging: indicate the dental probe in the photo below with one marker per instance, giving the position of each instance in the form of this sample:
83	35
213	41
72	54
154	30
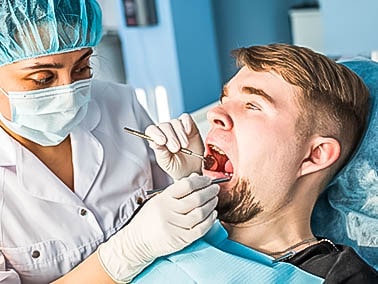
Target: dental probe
214	181
144	136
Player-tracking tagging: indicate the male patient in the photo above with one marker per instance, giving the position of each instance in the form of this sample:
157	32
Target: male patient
286	123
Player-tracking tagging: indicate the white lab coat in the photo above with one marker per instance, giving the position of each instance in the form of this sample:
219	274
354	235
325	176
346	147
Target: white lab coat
46	229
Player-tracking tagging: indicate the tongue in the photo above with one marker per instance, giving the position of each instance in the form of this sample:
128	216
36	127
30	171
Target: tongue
228	168
219	164
210	163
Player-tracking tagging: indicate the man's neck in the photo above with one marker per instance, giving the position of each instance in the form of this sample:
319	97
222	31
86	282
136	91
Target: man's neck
270	234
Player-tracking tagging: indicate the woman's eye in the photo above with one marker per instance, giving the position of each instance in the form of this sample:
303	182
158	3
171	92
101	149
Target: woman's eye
43	81
252	106
41	78
83	69
84	72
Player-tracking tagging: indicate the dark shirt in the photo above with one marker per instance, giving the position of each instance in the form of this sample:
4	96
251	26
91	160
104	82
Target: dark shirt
335	263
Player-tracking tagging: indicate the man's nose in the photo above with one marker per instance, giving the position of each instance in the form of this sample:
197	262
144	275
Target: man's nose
219	117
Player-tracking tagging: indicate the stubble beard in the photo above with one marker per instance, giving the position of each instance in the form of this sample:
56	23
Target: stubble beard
238	205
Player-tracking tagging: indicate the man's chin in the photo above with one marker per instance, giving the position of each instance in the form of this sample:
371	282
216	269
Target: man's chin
237	204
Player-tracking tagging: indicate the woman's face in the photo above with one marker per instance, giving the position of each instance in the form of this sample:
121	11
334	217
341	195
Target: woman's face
43	72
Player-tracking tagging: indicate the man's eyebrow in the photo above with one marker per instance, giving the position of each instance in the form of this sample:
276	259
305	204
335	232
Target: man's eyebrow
258	92
56	65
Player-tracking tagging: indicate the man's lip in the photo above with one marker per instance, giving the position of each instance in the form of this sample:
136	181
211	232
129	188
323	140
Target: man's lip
216	175
224	185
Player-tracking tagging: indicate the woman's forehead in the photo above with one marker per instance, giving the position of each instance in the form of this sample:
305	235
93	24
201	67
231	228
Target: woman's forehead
66	56
62	58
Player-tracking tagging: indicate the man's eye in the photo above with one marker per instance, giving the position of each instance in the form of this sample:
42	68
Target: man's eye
252	106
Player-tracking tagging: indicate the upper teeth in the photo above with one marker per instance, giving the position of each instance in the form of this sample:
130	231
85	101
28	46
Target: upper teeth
215	148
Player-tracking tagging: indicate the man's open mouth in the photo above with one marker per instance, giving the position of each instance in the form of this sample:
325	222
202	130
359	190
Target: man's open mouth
217	161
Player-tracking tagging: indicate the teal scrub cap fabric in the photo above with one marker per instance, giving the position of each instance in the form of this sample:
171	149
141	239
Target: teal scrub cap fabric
347	212
33	28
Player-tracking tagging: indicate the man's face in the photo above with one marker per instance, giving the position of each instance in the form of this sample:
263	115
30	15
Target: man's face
253	139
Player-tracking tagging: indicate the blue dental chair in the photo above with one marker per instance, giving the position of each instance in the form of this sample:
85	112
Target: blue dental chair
347	212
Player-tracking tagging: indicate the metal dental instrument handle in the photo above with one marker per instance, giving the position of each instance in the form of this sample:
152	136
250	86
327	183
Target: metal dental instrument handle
144	136
214	181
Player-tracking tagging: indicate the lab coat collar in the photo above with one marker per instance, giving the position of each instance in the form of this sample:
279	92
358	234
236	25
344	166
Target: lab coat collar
86	157
34	175
7	158
93	116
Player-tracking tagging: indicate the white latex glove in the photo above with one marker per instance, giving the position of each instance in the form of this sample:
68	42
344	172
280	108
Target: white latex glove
166	223
169	138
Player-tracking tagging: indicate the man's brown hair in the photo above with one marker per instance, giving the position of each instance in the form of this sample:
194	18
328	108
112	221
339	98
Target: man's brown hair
334	101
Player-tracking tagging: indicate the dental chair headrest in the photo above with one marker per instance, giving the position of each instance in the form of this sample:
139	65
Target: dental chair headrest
347	212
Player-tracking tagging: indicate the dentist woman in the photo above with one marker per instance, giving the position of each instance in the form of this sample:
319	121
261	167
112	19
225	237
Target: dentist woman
70	178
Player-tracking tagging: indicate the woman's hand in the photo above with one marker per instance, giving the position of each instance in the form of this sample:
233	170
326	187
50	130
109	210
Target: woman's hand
168	222
169	138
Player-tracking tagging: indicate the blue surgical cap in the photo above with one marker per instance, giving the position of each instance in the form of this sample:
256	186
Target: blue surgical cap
33	28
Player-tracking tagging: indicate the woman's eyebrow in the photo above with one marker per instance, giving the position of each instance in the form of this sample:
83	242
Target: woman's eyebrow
85	55
44	66
56	65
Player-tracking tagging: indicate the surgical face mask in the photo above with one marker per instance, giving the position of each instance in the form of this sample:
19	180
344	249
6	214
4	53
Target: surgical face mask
47	116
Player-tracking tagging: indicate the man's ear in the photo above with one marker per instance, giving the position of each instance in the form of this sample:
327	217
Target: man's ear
323	152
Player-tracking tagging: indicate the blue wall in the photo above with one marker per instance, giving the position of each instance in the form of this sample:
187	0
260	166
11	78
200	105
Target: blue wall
188	52
350	27
249	22
178	53
197	52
